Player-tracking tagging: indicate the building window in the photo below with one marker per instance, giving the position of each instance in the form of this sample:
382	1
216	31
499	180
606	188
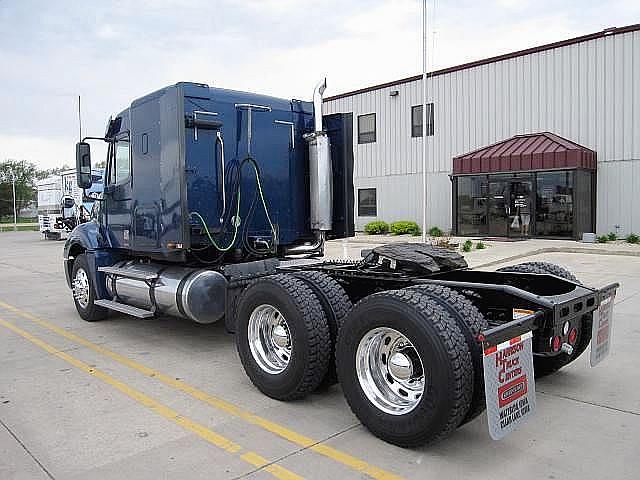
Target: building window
554	204
367	206
472	204
416	120
367	128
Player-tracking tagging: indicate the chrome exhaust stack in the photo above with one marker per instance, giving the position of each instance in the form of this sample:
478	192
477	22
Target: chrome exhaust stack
320	171
317	103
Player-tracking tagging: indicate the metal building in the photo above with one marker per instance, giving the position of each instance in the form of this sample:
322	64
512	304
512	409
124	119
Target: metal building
584	92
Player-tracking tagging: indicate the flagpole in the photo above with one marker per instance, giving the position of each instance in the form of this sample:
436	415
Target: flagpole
424	121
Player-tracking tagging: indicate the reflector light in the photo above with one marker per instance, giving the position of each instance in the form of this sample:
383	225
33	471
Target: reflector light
573	336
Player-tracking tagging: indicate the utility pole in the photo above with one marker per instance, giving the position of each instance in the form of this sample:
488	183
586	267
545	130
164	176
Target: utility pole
79	119
424	121
15	211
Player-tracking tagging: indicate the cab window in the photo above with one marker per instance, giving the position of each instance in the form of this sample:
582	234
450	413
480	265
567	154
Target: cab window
121	166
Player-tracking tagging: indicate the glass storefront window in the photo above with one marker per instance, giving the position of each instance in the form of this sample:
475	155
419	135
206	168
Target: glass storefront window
554	204
542	204
472	201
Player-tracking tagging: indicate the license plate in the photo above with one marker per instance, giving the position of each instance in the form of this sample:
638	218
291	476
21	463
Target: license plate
601	330
509	384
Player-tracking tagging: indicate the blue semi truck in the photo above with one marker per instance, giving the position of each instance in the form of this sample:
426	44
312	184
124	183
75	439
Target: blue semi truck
216	207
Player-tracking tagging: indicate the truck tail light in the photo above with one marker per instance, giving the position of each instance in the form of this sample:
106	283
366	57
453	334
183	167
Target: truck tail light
556	343
573	336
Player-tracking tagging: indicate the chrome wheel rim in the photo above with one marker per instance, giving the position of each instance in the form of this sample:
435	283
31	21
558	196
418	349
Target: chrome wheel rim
269	339
390	371
81	288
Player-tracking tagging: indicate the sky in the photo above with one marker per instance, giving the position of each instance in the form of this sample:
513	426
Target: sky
111	52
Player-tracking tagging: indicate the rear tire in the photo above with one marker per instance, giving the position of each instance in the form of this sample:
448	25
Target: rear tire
437	350
84	292
544	366
542	268
336	306
472	323
282	337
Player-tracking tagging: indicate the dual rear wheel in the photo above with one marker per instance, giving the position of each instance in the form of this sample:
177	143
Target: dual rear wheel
405	363
286	331
404	358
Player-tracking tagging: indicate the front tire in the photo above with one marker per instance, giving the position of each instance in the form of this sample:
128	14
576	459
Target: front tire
404	367
282	337
84	292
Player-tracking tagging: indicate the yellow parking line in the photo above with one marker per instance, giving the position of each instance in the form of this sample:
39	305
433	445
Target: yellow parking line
350	461
203	432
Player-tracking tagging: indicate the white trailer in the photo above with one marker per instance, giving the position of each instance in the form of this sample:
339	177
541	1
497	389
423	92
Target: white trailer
49	206
61	205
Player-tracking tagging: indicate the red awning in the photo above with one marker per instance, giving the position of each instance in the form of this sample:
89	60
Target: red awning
536	151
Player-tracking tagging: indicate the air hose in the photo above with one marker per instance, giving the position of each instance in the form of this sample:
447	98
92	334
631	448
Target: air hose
236	224
236	217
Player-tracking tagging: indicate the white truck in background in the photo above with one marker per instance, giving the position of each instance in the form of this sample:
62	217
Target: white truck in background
62	205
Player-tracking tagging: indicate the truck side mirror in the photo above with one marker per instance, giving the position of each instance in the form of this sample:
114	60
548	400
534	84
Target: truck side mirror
68	202
83	165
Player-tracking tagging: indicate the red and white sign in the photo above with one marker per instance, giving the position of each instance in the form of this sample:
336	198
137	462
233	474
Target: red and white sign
509	384
601	330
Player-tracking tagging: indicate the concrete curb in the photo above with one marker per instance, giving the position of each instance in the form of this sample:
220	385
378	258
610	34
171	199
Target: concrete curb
582	250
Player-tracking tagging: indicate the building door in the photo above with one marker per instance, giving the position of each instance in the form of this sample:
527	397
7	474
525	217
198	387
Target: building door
498	214
510	207
520	208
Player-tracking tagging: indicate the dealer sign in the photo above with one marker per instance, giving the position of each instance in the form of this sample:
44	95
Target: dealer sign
509	384
601	329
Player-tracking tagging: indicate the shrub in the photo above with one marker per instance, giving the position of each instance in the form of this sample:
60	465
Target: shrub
467	245
436	232
480	246
377	227
404	226
612	237
602	238
633	238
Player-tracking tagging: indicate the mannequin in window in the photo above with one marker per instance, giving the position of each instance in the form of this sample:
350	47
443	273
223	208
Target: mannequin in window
524	211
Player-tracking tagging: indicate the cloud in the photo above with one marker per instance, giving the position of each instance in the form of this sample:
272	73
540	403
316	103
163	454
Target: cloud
113	52
516	4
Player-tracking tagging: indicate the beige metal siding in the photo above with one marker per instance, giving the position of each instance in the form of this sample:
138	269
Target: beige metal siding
587	92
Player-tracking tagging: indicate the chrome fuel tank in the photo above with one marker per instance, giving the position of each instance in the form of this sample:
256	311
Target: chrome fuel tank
192	293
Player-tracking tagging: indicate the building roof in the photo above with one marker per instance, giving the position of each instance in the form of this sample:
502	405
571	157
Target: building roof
535	151
550	46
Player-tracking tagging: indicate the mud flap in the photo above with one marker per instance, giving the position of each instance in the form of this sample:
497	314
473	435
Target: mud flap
602	325
509	379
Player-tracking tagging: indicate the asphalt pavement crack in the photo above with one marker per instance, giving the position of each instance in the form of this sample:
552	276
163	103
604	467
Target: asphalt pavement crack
24	447
295	452
586	402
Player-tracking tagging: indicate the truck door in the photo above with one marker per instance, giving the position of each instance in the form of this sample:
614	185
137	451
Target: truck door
117	192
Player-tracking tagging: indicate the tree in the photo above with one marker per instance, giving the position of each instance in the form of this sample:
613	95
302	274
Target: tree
40	174
25	176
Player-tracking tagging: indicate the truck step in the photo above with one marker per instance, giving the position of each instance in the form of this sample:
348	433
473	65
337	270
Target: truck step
124	308
125	272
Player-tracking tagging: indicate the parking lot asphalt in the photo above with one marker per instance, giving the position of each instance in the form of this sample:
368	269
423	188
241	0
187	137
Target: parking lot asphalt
166	398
